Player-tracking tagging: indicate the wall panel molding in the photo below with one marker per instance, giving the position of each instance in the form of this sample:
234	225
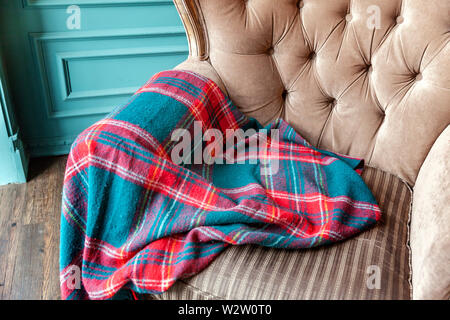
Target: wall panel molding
64	80
110	33
63	59
39	147
91	3
64	70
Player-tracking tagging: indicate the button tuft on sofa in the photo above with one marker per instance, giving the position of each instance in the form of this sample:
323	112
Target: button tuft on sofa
332	102
373	69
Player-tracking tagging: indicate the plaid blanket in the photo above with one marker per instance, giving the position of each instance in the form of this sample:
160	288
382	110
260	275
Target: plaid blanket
135	220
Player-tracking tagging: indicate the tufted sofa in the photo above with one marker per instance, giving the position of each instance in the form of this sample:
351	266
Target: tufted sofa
366	78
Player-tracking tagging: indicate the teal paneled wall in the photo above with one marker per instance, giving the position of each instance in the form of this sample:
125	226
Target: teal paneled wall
63	80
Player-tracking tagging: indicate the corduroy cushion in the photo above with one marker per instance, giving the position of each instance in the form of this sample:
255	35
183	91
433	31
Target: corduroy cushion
341	271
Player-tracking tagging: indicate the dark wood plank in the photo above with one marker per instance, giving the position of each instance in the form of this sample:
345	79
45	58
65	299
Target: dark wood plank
43	191
51	290
4	249
28	266
12	198
50	285
9	258
29	233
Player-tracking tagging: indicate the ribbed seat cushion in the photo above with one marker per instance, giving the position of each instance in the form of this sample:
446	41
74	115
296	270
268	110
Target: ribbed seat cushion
340	271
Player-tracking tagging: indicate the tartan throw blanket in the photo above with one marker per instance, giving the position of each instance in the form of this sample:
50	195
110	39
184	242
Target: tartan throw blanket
134	220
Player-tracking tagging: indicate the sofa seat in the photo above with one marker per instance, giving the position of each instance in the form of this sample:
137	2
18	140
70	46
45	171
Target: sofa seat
340	271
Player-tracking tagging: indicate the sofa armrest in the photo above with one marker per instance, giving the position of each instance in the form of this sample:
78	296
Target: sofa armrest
430	224
204	68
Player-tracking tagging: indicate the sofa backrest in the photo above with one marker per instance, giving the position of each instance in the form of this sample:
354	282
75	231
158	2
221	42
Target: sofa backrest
367	78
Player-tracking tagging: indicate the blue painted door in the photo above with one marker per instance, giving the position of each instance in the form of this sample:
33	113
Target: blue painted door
72	61
13	160
12	165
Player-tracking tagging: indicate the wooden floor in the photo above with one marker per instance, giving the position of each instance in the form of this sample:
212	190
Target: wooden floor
29	233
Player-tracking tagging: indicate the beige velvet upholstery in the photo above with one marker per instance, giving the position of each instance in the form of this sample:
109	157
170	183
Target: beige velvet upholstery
380	94
365	78
430	225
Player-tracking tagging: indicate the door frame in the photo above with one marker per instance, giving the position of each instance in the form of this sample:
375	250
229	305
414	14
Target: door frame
13	158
